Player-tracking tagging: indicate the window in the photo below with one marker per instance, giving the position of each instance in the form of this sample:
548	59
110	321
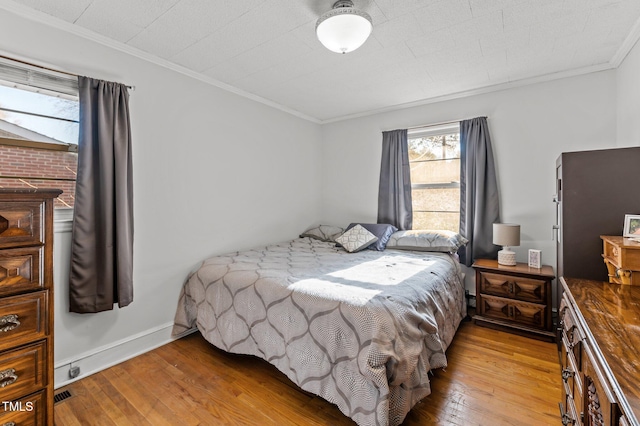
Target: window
38	129
434	159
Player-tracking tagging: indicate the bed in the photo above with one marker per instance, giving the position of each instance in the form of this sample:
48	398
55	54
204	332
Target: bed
361	330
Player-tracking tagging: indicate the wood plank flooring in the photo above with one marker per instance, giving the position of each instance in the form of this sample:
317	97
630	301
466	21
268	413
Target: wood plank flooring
493	378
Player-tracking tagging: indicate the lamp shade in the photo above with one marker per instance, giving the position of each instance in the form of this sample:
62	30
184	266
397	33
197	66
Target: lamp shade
344	28
506	234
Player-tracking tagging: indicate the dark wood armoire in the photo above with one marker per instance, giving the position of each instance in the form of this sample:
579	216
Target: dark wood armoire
594	191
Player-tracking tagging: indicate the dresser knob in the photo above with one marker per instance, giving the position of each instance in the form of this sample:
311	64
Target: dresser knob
566	418
8	323
8	377
567	374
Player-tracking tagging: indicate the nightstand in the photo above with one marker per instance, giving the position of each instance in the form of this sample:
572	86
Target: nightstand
514	298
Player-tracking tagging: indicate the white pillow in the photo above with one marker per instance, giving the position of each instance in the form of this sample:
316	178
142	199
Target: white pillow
427	240
356	239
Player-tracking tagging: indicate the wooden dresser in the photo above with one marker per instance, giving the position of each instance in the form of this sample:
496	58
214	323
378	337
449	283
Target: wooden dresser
514	298
600	353
26	306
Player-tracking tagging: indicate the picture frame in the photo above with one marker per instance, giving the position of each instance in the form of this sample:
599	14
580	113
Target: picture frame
534	258
631	226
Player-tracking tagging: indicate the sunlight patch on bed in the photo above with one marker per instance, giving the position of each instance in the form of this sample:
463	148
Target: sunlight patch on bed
388	272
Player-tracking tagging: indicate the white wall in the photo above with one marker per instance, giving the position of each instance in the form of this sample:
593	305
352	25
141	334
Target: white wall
213	172
530	126
628	108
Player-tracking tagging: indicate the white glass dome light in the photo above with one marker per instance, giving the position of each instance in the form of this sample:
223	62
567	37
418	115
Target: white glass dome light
344	28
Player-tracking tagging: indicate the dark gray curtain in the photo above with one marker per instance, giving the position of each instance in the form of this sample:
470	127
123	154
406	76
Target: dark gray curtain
394	193
479	201
102	237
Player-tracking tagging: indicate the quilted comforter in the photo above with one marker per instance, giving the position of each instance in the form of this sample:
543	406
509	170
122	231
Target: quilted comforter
361	330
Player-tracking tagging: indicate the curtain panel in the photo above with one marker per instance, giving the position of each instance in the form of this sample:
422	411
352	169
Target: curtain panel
479	200
102	235
394	193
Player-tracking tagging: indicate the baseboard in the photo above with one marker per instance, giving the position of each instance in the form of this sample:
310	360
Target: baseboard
107	356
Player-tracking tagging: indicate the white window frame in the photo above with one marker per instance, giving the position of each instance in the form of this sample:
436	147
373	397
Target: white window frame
437	130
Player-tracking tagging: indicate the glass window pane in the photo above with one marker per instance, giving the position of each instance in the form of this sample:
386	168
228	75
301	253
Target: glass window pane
64	200
431	220
38	128
442	171
436	199
39	103
434	147
23	167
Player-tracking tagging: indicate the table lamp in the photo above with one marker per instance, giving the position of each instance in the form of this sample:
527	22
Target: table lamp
506	235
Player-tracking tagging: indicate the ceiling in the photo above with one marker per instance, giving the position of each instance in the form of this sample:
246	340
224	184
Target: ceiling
420	50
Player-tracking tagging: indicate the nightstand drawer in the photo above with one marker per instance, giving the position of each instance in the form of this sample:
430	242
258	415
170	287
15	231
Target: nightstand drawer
521	288
529	314
22	371
20	223
27	411
514	298
22	319
20	270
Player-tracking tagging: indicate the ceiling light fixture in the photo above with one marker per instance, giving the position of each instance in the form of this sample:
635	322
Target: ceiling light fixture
344	28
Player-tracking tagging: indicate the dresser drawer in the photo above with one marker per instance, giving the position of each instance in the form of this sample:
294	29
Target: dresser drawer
572	332
27	411
529	314
23	371
570	372
568	412
521	288
600	407
20	270
21	223
23	319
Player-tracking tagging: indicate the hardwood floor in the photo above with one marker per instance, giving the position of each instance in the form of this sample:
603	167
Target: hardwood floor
493	378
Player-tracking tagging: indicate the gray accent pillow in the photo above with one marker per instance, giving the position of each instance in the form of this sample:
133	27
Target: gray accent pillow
323	233
356	239
381	230
427	240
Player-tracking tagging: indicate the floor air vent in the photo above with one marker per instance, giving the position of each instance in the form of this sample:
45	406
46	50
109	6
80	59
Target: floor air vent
59	397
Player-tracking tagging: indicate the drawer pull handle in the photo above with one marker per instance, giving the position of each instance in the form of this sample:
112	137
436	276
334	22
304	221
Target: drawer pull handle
566	418
9	424
9	322
8	377
567	374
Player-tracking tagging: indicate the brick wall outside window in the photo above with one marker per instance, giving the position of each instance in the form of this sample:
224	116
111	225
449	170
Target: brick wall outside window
35	163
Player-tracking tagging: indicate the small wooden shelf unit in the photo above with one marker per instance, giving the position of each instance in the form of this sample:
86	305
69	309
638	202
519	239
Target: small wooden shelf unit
622	257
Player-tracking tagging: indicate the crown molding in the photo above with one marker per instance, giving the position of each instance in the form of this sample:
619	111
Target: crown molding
57	23
51	21
478	91
626	46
